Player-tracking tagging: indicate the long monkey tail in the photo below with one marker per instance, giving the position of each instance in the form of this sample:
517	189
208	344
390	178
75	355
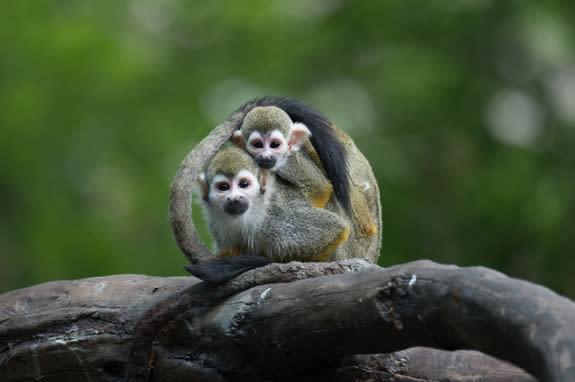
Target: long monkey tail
220	270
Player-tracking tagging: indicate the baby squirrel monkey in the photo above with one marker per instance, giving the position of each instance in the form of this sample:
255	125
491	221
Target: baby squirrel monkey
253	212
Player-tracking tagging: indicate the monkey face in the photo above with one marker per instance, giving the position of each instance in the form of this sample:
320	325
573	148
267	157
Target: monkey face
233	194
267	149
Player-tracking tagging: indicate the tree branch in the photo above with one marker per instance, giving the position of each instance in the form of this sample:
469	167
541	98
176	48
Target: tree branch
297	327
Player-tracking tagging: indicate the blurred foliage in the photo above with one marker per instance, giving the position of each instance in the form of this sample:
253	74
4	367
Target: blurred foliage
465	108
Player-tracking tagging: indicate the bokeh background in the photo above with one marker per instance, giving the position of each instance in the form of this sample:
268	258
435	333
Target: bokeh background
465	108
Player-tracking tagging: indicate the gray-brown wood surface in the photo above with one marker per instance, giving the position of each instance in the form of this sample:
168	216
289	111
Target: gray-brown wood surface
289	322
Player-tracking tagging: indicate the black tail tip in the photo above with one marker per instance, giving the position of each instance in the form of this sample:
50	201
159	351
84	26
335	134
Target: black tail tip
218	271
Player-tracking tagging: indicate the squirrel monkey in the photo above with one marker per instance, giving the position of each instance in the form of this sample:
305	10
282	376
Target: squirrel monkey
254	212
305	149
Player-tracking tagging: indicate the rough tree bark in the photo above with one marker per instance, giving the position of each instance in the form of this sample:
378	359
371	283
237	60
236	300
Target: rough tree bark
281	322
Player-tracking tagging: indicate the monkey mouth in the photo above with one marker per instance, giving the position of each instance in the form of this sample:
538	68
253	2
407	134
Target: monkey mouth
266	163
236	207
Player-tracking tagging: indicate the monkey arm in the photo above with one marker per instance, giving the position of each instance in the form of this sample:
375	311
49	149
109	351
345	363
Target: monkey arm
304	233
302	172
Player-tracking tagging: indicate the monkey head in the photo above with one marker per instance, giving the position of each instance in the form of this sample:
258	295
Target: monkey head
268	134
232	181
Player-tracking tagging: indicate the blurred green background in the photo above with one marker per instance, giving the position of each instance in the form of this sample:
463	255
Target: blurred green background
465	108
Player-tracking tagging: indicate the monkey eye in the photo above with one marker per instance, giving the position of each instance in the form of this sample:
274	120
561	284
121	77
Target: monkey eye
223	186
244	184
258	144
275	144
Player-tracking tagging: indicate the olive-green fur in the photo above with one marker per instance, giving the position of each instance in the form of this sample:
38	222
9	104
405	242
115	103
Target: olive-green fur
266	119
229	162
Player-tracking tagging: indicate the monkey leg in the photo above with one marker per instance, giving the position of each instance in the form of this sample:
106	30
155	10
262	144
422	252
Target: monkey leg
304	233
326	254
363	223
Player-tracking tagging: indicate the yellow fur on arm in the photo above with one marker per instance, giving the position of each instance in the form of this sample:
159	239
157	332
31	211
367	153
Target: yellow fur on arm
319	199
326	254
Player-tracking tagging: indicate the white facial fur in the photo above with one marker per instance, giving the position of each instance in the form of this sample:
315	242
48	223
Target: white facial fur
275	146
229	229
267	145
243	184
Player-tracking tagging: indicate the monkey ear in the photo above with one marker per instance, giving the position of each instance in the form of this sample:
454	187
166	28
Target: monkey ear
238	139
298	133
203	185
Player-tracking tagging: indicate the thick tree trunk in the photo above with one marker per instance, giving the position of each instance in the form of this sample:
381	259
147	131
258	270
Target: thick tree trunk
281	322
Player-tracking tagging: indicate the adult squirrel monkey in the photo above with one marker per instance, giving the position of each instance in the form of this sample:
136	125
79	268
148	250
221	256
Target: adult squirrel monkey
253	212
